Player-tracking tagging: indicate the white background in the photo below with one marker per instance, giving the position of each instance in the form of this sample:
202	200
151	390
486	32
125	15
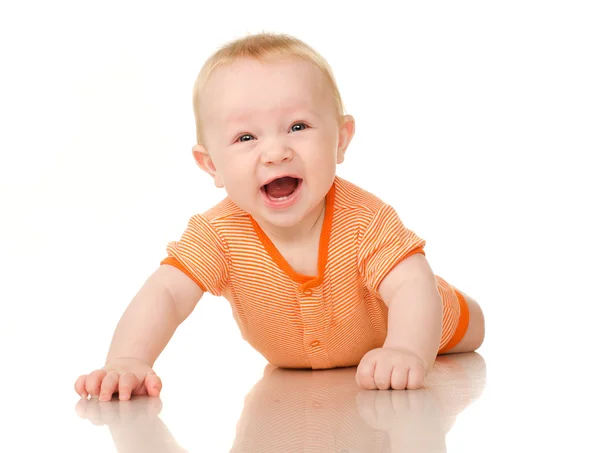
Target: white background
477	120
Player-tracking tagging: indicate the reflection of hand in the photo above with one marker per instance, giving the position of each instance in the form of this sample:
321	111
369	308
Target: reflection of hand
134	424
389	367
118	412
410	418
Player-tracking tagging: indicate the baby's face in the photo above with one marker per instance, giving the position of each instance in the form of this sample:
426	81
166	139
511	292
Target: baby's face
266	120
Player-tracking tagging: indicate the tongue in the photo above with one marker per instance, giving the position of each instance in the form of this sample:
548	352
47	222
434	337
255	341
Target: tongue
281	187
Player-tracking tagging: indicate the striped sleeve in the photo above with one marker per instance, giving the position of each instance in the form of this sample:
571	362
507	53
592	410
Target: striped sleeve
201	254
384	244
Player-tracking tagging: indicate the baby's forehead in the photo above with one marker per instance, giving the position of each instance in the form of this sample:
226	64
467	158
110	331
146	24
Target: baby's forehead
274	74
244	86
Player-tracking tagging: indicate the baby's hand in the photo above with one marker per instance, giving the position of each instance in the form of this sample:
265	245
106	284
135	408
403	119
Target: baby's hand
389	367
124	376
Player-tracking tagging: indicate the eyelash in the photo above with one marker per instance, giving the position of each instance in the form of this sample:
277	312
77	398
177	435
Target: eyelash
250	135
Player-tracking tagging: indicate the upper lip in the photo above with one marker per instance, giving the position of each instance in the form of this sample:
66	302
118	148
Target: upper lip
291	175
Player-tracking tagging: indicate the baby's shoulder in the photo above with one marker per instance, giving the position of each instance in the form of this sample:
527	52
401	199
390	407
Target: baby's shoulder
352	197
225	210
221	218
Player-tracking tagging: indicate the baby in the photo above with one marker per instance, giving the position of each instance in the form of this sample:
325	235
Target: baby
319	272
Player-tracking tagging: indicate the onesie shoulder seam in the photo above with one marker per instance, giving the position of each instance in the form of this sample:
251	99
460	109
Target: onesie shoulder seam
210	221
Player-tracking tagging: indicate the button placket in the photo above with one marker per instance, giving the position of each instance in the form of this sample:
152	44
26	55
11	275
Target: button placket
311	312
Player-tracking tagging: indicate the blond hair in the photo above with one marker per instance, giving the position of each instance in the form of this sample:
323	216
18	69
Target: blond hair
261	46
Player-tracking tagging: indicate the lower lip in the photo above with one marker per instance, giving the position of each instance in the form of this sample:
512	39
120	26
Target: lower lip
283	204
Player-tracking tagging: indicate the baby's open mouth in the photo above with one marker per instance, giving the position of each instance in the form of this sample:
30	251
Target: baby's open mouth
281	188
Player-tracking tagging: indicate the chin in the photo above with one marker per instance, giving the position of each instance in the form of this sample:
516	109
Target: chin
284	220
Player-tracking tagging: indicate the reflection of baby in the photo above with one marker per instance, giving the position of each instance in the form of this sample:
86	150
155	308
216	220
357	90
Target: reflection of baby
319	272
325	411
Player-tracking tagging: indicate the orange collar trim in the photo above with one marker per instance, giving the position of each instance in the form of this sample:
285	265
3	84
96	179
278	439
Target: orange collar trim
305	280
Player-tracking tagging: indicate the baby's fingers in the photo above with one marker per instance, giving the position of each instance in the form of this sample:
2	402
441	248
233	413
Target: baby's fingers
416	377
110	384
127	384
93	382
153	384
80	386
365	373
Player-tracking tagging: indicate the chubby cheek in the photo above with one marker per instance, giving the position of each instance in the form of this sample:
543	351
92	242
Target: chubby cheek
235	178
238	180
330	145
323	158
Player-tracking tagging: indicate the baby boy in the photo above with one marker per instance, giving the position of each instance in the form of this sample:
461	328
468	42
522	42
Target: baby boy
319	272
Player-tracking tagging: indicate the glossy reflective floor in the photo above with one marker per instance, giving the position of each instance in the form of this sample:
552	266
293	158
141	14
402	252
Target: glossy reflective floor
509	403
315	411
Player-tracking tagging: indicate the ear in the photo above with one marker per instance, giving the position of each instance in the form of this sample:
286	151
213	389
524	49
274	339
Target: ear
206	163
346	132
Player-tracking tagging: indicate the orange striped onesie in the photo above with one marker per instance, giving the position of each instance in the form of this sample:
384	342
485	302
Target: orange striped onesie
300	321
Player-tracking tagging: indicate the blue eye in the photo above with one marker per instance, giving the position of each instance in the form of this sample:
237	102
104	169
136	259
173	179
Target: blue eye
301	125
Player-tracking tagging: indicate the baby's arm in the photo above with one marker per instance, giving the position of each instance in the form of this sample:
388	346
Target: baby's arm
414	308
415	314
165	300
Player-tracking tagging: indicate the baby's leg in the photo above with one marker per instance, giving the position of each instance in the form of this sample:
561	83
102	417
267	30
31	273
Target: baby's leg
475	331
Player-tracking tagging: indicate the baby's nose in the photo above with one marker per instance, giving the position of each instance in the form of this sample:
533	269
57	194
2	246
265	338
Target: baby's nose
276	153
